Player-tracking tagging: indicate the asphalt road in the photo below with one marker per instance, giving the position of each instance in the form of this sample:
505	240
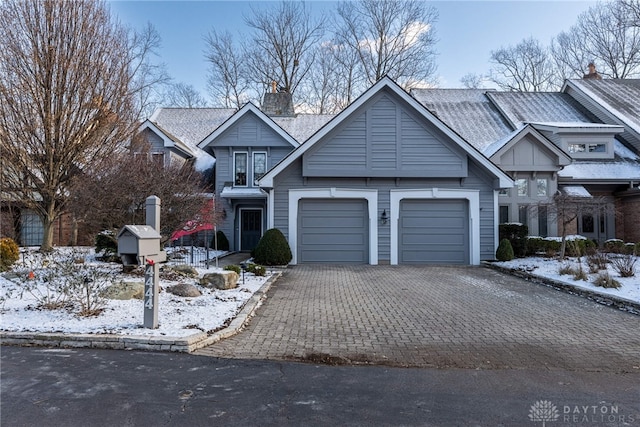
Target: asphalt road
60	387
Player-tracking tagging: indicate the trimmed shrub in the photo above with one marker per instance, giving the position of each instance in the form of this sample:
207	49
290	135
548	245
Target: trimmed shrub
272	249
233	267
615	246
259	270
505	251
535	245
107	243
9	253
637	249
517	236
629	248
223	242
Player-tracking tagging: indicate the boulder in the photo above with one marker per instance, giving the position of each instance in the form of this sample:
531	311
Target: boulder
125	291
185	270
220	280
184	290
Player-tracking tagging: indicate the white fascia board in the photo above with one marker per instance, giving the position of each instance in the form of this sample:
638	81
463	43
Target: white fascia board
248	107
504	179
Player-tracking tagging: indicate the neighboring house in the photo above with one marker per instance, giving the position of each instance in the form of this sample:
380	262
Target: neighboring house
572	141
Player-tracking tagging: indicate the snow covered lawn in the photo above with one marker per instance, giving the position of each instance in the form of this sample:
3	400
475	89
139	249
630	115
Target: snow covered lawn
178	316
550	267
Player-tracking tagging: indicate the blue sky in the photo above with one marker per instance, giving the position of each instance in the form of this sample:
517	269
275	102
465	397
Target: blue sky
467	30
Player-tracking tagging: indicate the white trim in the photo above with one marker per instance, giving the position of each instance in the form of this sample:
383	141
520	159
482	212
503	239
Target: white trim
240	210
473	196
334	193
246	178
496	219
253	166
270	209
503	179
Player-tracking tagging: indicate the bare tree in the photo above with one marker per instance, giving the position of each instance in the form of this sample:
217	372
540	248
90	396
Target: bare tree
70	93
390	37
605	34
525	67
282	42
184	96
114	193
565	209
473	81
229	82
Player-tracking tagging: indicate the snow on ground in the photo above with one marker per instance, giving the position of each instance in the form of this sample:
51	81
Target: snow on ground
549	268
177	316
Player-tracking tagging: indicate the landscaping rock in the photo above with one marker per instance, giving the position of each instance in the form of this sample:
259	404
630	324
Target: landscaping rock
184	290
125	291
222	280
185	270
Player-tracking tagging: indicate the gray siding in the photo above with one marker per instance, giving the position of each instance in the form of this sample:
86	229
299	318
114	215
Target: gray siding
385	138
291	178
249	134
527	154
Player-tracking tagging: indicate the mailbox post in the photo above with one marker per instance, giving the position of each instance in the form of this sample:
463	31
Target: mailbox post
140	245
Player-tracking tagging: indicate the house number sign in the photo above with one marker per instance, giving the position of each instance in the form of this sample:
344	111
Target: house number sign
151	277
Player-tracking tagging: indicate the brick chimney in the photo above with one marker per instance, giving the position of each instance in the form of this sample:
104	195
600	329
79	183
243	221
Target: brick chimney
593	73
278	102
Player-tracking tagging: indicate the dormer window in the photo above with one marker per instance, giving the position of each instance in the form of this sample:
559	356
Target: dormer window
587	148
240	169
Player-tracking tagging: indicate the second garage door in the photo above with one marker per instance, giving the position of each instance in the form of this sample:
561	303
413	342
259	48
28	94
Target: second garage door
433	232
333	231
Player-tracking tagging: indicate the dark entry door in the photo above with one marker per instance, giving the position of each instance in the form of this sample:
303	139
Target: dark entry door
250	228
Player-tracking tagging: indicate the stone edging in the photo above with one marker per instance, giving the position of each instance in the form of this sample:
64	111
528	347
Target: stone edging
133	342
608	300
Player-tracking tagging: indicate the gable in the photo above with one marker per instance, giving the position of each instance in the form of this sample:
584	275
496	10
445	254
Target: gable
249	131
385	138
528	154
155	141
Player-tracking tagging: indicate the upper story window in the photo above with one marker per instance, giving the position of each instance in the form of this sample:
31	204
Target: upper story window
542	189
503	192
587	148
259	166
523	187
240	169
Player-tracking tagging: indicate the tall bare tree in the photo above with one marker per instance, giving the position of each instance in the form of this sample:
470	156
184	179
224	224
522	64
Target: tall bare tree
184	96
525	67
606	34
229	82
390	37
282	44
473	81
70	90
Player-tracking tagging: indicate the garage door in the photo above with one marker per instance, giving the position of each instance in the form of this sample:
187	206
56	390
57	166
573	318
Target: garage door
433	232
333	231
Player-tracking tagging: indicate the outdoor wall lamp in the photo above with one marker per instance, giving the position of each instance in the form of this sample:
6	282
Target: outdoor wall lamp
384	218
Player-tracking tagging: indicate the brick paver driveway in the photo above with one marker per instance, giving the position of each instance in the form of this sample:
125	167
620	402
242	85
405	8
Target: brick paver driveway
467	317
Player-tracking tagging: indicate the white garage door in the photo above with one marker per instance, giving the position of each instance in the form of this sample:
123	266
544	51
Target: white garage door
433	232
333	231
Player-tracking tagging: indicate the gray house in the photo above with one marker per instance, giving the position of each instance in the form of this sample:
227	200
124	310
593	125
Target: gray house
424	177
385	181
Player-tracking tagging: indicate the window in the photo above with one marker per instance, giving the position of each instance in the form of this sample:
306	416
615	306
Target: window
504	214
158	158
240	169
503	192
259	166
523	214
542	185
587	223
523	187
587	148
542	221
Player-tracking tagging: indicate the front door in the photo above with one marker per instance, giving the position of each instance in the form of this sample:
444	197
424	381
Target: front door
250	228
